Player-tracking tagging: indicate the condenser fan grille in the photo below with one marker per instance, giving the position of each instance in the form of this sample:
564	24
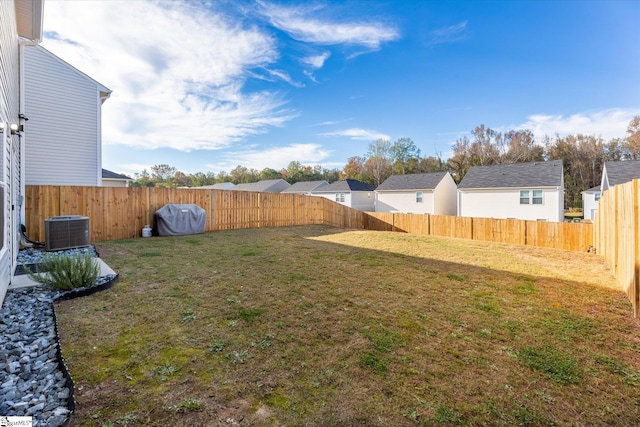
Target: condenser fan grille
66	232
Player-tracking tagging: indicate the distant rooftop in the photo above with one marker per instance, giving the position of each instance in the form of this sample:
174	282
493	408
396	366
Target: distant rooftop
346	186
417	181
514	175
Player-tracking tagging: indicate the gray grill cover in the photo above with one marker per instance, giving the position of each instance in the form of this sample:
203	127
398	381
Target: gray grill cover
175	220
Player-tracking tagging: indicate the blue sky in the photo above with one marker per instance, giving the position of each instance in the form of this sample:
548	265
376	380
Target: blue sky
207	86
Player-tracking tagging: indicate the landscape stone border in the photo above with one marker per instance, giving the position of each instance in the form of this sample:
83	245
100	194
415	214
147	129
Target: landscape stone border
59	417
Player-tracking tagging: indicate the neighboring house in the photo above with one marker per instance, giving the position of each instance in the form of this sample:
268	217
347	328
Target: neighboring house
20	25
305	187
614	173
422	193
264	186
219	186
590	199
63	106
532	191
112	179
350	192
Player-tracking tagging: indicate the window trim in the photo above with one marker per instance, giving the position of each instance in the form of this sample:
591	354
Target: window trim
419	197
525	197
534	198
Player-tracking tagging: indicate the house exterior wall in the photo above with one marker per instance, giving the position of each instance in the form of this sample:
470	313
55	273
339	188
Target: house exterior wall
115	183
505	203
363	201
63	107
446	197
10	157
405	201
589	205
332	197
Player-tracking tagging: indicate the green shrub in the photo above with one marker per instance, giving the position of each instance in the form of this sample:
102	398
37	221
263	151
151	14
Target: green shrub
66	272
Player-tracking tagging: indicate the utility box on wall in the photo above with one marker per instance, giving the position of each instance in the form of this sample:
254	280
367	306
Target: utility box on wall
66	232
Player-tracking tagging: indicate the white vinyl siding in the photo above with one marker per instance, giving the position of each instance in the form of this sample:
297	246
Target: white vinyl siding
63	107
405	201
439	201
10	156
361	200
590	204
506	203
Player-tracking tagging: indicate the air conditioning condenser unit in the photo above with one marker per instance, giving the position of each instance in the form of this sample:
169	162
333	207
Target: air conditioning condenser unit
66	232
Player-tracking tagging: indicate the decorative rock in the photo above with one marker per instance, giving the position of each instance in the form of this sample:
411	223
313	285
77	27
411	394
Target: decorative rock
20	406
31	380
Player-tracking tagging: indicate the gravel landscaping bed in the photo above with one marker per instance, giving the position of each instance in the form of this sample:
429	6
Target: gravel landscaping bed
34	380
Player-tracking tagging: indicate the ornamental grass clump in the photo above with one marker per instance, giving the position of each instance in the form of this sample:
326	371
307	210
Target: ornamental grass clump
66	272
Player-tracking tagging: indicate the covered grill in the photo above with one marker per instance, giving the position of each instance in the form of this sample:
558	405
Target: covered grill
179	219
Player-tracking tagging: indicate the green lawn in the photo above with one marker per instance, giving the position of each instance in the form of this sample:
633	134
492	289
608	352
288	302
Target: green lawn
321	326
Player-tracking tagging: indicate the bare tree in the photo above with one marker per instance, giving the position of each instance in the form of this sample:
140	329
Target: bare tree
632	141
377	167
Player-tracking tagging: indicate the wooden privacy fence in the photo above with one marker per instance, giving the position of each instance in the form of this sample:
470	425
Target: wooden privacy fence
617	237
557	235
118	213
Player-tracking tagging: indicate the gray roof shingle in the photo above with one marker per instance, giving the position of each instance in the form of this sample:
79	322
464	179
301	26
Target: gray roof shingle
346	186
266	185
305	186
514	175
107	174
623	171
417	181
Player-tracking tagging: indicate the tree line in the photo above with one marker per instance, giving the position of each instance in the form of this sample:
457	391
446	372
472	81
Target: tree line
583	157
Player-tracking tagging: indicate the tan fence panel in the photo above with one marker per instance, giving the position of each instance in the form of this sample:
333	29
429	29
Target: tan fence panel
379	221
40	203
451	226
510	231
617	237
412	223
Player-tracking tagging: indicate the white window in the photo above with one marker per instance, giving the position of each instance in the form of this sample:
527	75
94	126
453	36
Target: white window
530	197
340	197
419	197
537	197
597	196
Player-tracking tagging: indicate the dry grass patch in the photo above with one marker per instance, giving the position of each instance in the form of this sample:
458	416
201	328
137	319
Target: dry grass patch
322	326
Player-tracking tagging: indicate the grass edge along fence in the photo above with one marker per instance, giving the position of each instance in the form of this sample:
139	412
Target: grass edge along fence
617	237
118	213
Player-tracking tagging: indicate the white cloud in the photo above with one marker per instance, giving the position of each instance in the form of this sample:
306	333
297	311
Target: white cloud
284	76
450	34
358	134
177	71
316	61
302	24
274	158
332	122
608	124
